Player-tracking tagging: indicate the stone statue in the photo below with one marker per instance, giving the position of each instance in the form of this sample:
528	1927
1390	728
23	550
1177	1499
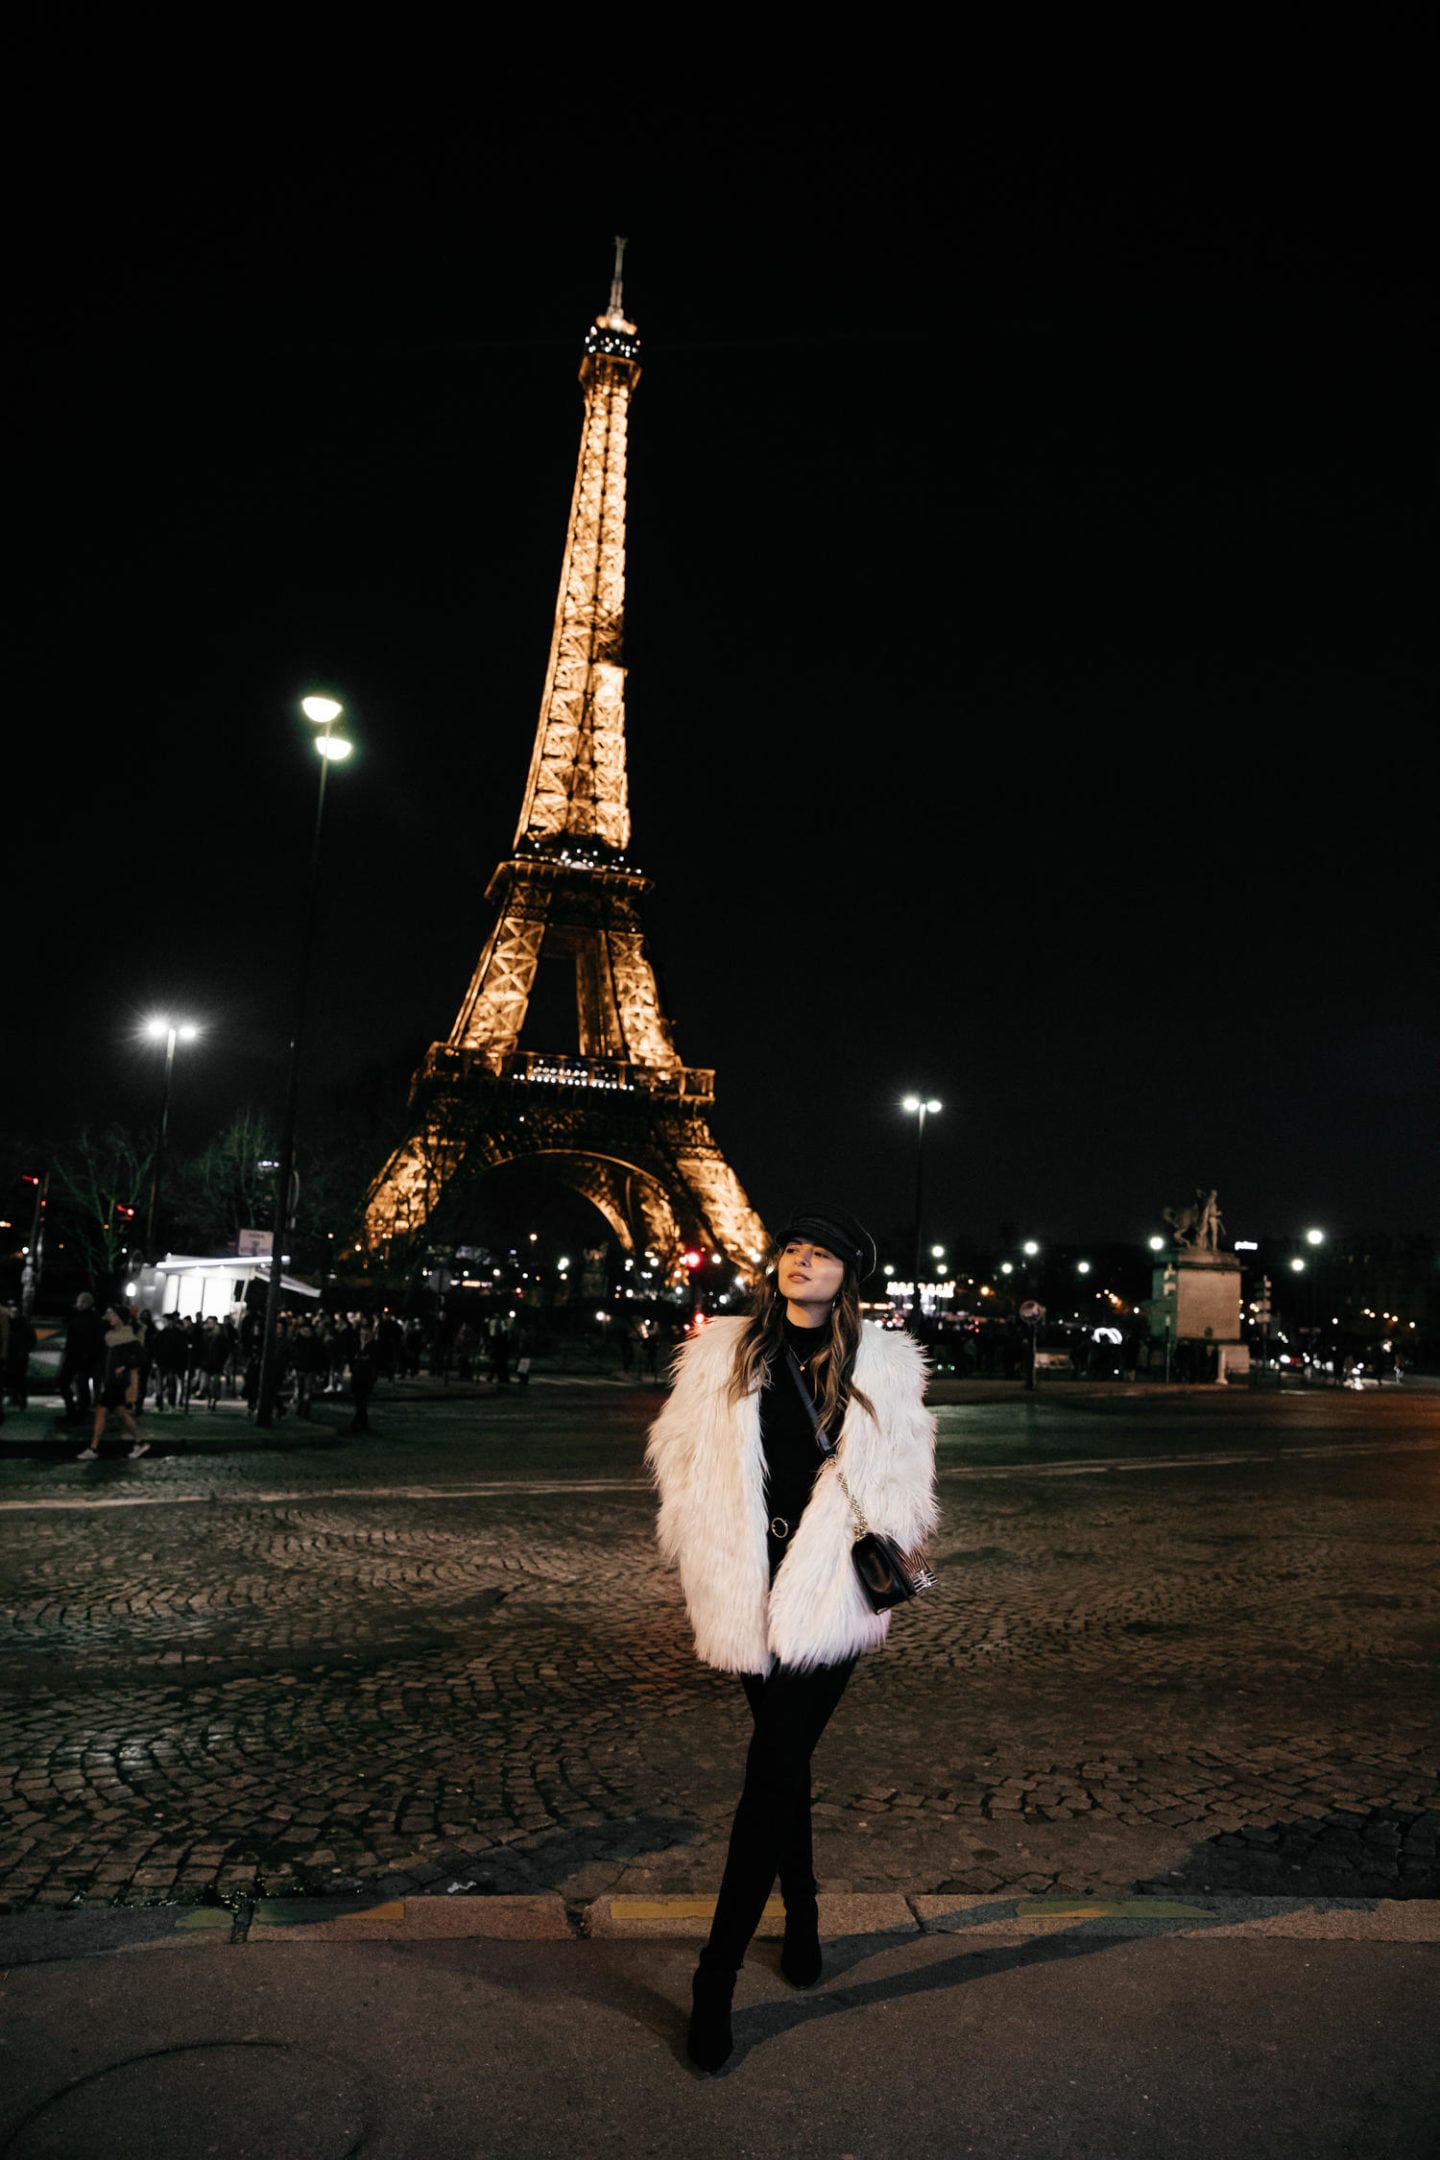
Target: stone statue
1199	1225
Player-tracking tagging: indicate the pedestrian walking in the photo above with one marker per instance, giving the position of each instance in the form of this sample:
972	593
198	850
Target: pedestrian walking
362	1378
500	1350
765	1415
120	1383
172	1358
17	1340
308	1356
81	1359
217	1351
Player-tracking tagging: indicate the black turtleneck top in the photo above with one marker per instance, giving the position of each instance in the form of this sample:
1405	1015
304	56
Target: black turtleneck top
792	1455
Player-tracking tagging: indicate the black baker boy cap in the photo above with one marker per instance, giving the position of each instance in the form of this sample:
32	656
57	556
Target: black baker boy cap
848	1239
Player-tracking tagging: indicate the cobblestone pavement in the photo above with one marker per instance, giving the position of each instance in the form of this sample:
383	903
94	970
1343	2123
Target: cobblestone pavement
1181	1638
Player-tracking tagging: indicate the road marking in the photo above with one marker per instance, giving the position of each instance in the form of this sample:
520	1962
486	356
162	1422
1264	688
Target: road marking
1187	1462
497	1491
679	1908
500	1489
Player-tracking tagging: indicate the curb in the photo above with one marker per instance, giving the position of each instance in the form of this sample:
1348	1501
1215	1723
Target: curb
48	1937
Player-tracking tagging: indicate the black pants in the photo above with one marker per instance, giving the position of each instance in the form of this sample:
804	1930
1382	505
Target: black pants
770	1835
75	1392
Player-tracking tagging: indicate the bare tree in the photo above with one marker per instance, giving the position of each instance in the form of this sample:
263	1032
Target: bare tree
97	1185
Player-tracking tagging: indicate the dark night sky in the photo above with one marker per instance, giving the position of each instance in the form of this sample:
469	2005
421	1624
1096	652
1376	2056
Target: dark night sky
1033	676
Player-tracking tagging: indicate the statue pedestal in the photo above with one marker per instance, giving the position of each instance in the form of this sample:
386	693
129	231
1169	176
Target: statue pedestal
1196	1298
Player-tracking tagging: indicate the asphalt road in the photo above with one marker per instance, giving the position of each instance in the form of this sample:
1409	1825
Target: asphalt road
1181	1639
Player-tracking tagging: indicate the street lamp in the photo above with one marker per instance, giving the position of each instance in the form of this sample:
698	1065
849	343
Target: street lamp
321	712
1315	1239
170	1032
919	1107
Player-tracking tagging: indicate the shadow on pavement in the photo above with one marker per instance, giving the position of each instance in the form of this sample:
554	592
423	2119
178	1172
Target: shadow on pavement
1383	1852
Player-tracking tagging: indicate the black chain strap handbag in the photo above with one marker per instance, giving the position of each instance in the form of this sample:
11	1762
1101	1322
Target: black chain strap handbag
885	1576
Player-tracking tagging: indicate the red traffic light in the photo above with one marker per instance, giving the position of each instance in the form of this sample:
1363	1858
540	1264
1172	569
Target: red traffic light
691	1259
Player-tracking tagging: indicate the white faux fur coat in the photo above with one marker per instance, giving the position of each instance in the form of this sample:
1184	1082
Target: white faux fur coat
708	1464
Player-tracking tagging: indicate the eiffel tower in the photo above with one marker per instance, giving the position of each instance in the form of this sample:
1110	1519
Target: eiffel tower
624	1122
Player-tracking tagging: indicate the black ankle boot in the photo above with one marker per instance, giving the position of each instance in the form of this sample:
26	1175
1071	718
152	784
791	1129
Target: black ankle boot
800	1959
711	2040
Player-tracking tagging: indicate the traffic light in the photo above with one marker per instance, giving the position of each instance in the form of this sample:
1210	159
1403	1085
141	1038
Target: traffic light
691	1259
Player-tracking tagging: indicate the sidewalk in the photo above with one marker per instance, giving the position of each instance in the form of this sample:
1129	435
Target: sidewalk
446	2028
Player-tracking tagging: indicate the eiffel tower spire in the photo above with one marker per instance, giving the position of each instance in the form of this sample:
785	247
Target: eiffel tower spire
623	1123
576	793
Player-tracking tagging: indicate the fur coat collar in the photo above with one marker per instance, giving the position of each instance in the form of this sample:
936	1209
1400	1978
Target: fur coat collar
708	1465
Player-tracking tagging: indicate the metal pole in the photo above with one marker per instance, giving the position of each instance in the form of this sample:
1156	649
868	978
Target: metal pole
160	1135
30	1279
285	1174
919	1175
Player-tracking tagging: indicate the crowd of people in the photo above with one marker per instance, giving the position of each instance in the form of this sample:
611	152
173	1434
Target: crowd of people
121	1359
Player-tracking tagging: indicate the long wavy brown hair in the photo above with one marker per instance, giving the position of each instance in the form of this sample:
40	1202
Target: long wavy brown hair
760	1352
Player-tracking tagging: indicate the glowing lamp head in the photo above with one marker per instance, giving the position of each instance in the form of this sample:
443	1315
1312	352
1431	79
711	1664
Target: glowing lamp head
333	747
322	710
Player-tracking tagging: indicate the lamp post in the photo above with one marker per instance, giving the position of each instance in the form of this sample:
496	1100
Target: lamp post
35	1255
1315	1239
171	1031
322	712
919	1107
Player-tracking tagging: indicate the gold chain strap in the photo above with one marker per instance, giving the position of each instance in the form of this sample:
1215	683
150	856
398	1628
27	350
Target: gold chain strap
863	1529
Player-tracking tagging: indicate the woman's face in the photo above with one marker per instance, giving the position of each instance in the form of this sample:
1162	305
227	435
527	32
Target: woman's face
809	1275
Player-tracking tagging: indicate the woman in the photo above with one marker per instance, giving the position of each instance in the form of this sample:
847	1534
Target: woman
753	1513
120	1381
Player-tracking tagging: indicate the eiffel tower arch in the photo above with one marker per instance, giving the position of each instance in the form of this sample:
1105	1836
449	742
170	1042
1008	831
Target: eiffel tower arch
620	1121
